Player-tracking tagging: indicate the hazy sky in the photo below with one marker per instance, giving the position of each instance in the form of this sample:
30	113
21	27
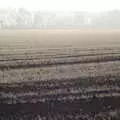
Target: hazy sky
65	5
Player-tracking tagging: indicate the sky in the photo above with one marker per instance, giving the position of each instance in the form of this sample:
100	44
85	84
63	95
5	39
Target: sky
63	5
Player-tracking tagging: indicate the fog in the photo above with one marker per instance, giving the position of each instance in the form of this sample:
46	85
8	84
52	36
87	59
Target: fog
27	14
62	5
23	18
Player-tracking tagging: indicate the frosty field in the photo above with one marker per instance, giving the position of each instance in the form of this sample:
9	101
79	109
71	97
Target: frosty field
72	73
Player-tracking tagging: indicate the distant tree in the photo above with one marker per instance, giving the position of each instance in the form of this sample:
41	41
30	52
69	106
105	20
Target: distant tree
1	24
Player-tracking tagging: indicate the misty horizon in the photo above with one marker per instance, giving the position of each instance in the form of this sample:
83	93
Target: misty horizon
24	19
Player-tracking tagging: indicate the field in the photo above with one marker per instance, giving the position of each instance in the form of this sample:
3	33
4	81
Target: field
60	74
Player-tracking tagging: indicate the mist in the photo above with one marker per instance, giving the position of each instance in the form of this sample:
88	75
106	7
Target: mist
24	19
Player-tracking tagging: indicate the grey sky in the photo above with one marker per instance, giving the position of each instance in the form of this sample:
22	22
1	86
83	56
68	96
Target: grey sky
65	5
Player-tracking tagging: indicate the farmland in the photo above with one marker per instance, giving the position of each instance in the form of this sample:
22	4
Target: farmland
60	74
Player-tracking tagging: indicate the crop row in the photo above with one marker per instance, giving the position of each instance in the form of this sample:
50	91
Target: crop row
55	51
32	63
60	72
107	81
